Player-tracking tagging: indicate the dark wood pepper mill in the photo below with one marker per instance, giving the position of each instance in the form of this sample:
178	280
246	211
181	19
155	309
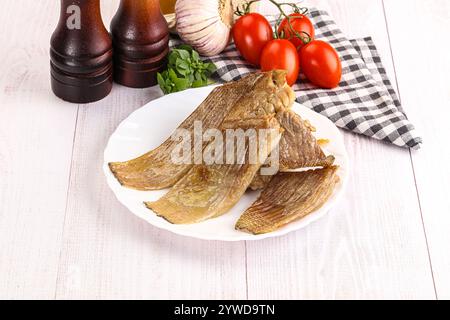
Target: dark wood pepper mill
141	42
81	53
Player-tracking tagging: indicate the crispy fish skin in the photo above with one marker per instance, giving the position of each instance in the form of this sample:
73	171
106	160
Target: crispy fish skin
289	196
298	146
208	191
155	170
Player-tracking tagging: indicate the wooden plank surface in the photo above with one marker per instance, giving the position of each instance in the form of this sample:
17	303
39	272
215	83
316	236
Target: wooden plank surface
372	244
109	253
36	136
64	235
423	65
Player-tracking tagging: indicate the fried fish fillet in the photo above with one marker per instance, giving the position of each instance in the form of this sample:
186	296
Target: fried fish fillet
210	191
155	170
288	197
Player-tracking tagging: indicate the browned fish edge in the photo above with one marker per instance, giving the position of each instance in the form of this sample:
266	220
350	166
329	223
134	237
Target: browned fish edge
333	180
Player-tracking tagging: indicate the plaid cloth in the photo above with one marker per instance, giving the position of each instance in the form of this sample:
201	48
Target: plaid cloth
365	101
368	52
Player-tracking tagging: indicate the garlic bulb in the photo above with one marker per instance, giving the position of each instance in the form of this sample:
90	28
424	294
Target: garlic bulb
205	24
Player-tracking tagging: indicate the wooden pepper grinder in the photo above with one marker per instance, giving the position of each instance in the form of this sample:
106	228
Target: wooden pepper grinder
141	43
81	53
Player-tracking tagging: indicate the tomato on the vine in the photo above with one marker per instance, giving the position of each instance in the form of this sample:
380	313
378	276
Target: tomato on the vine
280	54
321	64
251	33
301	25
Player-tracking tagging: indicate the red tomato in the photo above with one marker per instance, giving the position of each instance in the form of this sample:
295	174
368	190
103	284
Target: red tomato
250	34
280	54
321	64
300	23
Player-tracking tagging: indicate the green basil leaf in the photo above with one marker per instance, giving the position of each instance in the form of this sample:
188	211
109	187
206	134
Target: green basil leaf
197	84
185	47
183	73
190	78
161	81
211	67
159	78
184	54
181	84
172	59
172	75
185	70
195	56
181	64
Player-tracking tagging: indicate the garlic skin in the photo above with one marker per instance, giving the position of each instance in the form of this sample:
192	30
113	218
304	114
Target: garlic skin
205	24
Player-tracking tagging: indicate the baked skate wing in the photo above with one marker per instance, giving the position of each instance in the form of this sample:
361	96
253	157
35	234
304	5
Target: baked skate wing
155	170
288	197
298	146
208	191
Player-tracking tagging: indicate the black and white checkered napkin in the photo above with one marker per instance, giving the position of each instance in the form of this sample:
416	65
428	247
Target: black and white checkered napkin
365	101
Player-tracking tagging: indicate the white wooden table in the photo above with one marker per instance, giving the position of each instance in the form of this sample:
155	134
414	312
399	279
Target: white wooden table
64	235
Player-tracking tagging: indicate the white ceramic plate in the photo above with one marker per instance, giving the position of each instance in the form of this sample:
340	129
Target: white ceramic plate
149	126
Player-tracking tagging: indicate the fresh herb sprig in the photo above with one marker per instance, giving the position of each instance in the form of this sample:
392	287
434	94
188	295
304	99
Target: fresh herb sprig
185	70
